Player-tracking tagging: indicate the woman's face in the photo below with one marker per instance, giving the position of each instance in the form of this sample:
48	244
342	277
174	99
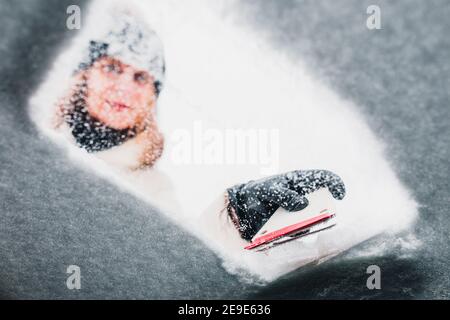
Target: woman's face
119	95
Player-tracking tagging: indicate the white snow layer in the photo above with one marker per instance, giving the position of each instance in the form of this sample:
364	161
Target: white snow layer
222	74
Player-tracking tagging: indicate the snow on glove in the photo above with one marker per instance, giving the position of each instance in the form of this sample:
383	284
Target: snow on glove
254	202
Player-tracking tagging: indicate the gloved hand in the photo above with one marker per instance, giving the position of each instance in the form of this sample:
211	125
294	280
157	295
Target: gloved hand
254	202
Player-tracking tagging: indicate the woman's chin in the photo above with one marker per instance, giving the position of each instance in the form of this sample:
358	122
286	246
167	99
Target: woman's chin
117	125
117	120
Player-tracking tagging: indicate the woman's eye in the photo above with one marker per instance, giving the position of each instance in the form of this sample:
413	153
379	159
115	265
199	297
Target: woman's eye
140	78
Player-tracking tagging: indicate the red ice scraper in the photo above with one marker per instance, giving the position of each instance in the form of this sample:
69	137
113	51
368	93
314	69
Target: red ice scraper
286	226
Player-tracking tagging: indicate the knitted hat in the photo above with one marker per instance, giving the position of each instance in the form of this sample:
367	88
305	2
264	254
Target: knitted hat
132	42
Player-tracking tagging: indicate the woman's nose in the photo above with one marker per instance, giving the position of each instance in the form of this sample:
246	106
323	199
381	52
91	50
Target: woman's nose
125	84
126	89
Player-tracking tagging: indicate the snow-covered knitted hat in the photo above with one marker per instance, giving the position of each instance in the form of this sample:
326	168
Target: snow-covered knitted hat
130	40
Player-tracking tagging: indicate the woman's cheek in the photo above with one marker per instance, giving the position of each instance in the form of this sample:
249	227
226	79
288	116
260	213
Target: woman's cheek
139	101
100	82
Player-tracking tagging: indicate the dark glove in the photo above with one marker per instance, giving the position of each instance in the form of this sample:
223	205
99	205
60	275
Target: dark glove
254	202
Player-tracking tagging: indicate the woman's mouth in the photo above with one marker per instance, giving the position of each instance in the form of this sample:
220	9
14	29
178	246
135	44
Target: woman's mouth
117	106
